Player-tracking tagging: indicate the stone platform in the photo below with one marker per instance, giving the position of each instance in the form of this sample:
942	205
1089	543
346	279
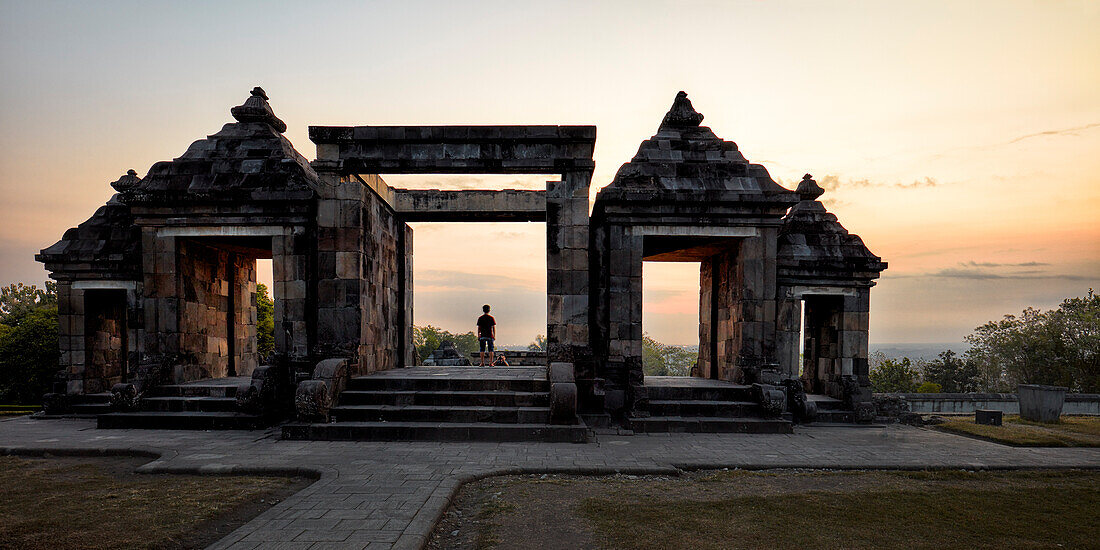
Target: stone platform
444	404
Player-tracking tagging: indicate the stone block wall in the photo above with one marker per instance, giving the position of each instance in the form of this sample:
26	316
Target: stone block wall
363	271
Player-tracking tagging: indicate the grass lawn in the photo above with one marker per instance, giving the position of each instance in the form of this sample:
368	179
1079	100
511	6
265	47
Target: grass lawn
18	410
95	503
778	509
1071	431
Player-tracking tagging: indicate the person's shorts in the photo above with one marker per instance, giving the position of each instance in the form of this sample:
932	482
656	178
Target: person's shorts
486	342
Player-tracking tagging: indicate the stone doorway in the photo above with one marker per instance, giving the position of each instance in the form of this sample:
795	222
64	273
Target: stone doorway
462	265
106	339
663	285
217	308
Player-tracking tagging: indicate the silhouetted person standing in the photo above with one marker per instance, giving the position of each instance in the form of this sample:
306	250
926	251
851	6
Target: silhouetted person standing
486	333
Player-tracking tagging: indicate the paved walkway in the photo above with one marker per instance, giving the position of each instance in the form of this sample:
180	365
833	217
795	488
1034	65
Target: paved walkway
390	495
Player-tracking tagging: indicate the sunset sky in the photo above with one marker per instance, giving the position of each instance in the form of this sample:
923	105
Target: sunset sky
960	139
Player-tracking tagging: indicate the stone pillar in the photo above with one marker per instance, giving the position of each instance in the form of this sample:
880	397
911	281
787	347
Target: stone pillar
161	296
855	322
406	276
290	268
567	265
70	317
788	332
339	271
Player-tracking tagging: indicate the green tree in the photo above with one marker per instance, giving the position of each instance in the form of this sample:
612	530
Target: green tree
427	339
28	342
265	322
953	374
894	375
1058	347
665	360
18	300
539	344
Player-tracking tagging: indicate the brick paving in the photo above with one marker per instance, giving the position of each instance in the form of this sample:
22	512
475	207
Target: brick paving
379	495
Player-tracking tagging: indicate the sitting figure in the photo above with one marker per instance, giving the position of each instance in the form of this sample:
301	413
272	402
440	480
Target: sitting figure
500	361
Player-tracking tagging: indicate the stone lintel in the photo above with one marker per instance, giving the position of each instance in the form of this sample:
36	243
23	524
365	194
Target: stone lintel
225	231
105	285
417	205
798	292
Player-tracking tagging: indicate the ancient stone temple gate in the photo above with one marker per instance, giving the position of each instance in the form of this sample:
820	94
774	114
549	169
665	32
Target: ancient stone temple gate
157	288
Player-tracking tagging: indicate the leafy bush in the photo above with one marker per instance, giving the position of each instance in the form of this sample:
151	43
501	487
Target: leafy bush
953	373
929	387
893	375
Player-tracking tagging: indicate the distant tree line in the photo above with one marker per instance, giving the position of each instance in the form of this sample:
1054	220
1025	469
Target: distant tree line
1059	347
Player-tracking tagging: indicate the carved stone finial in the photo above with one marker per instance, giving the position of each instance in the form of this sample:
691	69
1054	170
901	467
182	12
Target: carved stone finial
682	114
256	109
808	189
126	182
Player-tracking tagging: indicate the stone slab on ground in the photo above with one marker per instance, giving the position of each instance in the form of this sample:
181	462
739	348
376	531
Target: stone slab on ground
390	494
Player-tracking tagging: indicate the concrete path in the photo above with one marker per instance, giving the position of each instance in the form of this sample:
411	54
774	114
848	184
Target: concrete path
390	495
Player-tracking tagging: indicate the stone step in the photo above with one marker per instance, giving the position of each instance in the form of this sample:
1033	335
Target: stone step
835	416
453	414
429	431
688	407
189	404
499	398
181	421
730	392
196	390
446	383
91	409
690	424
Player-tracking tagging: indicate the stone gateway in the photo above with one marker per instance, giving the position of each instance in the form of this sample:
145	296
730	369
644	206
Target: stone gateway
157	289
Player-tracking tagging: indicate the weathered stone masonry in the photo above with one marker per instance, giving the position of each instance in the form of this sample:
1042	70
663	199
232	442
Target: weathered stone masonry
157	287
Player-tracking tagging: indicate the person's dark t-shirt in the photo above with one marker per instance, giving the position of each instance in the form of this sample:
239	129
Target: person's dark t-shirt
485	326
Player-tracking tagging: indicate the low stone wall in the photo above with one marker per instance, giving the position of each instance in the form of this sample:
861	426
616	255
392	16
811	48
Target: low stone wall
1076	403
518	358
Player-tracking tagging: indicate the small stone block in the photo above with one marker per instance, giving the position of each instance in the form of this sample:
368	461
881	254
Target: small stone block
987	417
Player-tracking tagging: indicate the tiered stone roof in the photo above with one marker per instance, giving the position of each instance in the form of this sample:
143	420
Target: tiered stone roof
815	249
248	160
684	156
108	244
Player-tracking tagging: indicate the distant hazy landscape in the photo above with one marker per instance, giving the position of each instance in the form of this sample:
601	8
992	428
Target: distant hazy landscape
919	351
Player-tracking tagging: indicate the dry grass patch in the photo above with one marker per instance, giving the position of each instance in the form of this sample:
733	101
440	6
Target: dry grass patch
99	503
1071	431
780	509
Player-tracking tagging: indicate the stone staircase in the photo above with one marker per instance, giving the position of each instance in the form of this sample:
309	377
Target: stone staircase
444	404
831	411
696	405
199	405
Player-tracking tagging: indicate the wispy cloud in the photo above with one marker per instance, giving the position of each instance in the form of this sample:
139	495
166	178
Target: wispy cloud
980	274
972	263
1075	131
834	183
439	280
